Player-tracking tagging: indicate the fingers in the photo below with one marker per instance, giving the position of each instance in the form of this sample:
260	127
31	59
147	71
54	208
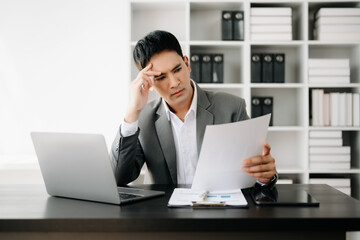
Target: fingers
261	167
266	149
258	160
145	77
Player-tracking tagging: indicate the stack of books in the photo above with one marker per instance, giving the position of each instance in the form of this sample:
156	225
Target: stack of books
337	24
285	181
271	24
341	184
335	109
326	151
327	70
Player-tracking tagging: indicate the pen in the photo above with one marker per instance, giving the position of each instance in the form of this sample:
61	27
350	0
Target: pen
203	195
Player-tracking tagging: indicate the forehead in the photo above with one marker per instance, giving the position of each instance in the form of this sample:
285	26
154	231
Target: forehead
165	61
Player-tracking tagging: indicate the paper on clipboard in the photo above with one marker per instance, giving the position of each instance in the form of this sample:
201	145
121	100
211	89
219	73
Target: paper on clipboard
224	147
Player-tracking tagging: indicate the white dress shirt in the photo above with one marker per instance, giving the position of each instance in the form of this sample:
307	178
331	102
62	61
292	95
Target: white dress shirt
184	138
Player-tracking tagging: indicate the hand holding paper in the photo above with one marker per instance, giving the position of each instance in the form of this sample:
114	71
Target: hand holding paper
224	148
262	167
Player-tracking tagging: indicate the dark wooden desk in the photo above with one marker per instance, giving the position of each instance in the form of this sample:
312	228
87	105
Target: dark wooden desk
26	211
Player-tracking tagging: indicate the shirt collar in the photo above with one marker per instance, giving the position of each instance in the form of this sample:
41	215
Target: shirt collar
193	106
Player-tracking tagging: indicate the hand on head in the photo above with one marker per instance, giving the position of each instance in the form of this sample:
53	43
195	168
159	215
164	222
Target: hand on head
139	92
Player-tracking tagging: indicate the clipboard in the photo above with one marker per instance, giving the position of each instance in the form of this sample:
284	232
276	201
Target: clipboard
186	197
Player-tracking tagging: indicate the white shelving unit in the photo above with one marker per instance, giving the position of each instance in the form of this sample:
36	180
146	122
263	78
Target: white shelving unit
197	25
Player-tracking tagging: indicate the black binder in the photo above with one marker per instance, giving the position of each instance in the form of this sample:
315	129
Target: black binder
267	68
267	107
218	68
238	25
226	25
256	68
279	68
195	65
206	68
256	107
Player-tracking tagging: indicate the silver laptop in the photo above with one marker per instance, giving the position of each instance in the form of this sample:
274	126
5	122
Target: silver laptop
78	166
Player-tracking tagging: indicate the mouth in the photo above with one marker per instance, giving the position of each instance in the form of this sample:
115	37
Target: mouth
177	93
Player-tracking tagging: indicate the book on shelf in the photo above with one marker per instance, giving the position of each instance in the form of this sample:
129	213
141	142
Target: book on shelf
342	109
315	107
329	150
218	68
334	182
334	109
330	165
267	68
327	109
329	71
276	28
226	25
329	79
346	190
329	63
238	25
341	184
195	62
349	109
279	68
270	20
337	21
356	109
326	12
285	181
325	36
344	28
330	158
325	142
256	67
270	11
271	36
325	134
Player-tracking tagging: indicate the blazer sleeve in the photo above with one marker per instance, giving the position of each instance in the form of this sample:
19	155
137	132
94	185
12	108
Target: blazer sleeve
242	114
127	158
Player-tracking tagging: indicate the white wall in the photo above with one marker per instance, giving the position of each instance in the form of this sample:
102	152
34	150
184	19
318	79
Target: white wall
64	66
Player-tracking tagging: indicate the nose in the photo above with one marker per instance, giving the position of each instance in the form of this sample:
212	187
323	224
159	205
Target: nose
174	82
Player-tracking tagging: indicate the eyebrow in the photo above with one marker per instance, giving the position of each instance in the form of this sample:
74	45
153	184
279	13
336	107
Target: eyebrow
177	66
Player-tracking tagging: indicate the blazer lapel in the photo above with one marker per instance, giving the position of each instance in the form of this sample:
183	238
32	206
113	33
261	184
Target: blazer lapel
203	117
165	135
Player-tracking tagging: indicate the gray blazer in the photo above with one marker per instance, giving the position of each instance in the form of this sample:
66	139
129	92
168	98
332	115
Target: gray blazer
153	142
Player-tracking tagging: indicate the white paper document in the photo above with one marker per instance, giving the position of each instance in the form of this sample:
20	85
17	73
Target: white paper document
187	197
223	149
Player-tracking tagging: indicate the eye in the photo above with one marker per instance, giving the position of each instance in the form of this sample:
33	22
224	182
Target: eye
160	78
177	70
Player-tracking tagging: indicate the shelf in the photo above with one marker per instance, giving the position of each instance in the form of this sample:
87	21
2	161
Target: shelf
350	171
197	24
333	43
335	85
278	43
221	85
290	171
335	128
277	85
286	129
217	43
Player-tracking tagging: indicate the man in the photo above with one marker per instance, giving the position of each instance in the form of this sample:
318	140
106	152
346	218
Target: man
167	133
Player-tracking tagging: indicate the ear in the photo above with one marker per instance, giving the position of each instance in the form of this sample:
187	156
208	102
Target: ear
186	60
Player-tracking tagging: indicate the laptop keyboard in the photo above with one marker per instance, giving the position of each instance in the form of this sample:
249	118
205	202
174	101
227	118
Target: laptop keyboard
124	196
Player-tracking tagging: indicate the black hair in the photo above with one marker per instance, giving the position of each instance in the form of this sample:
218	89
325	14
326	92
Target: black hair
153	43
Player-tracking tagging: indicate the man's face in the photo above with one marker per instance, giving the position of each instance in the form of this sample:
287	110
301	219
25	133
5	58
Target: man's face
173	85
